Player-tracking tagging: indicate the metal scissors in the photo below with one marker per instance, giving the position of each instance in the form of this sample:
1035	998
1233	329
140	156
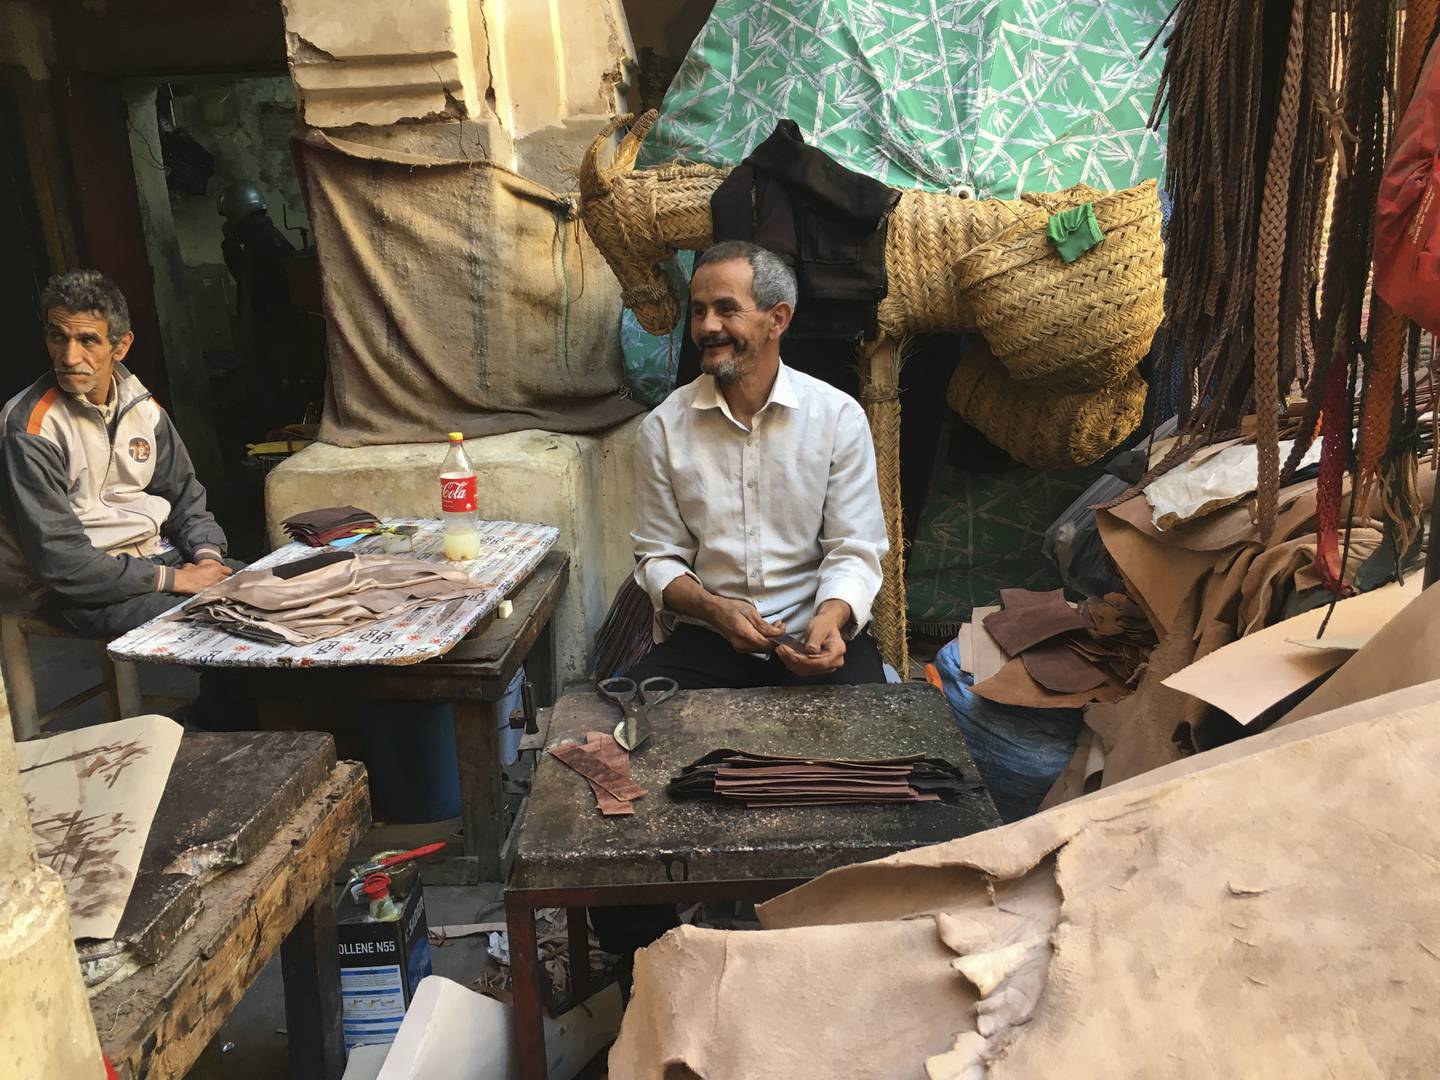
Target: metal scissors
637	701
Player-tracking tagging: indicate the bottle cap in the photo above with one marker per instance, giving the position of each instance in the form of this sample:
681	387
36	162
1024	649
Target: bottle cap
456	436
377	886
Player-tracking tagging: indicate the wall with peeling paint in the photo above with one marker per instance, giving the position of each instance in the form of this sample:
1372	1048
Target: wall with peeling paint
542	74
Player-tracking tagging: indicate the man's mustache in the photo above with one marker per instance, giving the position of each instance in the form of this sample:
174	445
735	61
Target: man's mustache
706	342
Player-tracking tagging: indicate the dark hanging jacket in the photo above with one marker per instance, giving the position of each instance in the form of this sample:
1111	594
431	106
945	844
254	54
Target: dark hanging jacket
824	220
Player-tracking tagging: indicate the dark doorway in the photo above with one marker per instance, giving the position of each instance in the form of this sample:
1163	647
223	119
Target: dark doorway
26	264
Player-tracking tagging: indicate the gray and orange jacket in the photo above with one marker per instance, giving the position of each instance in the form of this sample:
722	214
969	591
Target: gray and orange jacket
85	505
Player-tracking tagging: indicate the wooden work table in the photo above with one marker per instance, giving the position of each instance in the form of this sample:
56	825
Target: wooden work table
568	855
239	864
472	677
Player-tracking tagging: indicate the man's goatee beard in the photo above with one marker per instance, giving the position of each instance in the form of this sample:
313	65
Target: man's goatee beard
728	372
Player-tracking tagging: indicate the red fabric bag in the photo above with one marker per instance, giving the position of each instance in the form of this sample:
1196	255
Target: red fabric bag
1407	216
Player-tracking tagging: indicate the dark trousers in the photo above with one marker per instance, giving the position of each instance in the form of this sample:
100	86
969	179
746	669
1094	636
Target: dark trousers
106	622
224	703
700	659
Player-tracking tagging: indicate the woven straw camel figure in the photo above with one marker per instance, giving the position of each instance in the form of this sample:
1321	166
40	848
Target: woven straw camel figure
953	263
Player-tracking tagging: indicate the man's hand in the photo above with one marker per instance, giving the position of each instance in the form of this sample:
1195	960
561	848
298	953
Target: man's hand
193	577
739	623
824	642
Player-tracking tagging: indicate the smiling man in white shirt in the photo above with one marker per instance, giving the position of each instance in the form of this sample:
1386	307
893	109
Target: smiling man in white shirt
758	506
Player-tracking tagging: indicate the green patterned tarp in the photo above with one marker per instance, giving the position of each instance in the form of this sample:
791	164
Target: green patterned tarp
998	96
980	533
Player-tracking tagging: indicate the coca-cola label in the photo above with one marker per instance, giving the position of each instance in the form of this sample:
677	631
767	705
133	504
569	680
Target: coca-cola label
457	494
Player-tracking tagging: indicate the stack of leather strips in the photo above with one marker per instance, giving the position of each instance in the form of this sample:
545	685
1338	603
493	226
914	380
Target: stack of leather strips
602	762
317	528
759	781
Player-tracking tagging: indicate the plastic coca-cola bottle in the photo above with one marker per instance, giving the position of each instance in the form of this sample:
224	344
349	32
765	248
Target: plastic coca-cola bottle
458	502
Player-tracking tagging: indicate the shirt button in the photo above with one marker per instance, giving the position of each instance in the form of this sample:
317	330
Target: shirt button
754	574
750	484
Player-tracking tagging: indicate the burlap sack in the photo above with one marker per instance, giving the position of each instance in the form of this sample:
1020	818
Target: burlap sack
459	296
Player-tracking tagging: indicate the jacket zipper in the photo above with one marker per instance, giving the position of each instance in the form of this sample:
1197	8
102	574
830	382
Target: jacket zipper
110	441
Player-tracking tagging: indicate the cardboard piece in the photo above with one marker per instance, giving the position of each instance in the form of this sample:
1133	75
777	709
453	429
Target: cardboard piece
1247	677
92	796
1351	643
989	657
452	1033
1404	652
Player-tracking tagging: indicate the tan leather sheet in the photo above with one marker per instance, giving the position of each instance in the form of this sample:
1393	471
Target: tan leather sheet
1266	909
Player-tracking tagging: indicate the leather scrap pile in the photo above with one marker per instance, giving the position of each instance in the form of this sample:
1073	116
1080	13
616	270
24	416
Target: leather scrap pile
761	781
317	528
311	599
606	767
1057	655
1189	550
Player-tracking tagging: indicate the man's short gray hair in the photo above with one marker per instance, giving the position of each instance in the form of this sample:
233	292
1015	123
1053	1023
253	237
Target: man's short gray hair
88	291
774	281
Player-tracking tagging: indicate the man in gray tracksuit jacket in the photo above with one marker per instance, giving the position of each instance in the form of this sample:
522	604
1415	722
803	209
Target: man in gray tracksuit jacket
104	522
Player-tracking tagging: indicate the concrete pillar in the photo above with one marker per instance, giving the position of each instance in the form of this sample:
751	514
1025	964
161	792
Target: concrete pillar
48	1031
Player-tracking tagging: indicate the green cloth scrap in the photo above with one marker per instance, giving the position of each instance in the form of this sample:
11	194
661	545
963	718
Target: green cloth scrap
1074	231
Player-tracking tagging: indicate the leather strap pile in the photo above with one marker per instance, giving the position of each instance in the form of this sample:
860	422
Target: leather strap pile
1278	135
761	781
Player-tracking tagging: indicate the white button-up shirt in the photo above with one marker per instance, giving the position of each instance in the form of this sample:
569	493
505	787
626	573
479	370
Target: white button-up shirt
786	514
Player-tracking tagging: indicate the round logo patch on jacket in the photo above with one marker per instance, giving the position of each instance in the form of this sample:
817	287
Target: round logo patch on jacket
140	449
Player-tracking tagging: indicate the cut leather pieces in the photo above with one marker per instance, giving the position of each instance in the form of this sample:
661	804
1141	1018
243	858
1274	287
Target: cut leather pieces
1058	667
612	754
1019	628
606	768
320	527
1013	685
1064	657
604	772
763	781
330	596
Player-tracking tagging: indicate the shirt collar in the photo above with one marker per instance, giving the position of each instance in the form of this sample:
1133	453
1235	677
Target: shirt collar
708	395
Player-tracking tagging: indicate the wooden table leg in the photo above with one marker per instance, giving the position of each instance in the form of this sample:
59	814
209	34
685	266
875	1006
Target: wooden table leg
577	921
525	991
542	667
482	805
310	965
